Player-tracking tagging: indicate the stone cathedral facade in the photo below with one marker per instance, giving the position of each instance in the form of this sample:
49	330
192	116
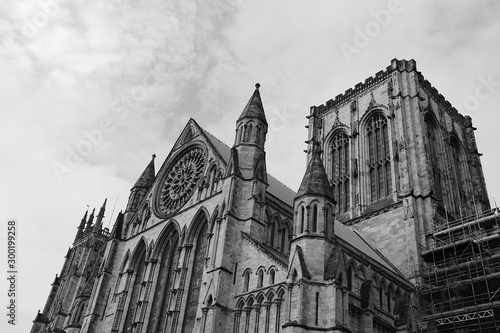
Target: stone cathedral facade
212	243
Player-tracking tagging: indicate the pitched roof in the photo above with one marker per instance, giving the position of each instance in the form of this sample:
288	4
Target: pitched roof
254	107
354	239
271	252
315	181
276	188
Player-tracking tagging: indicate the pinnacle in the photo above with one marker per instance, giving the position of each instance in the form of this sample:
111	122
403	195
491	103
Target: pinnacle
254	107
148	175
315	181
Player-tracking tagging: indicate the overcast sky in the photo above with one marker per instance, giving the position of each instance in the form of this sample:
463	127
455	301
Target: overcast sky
91	89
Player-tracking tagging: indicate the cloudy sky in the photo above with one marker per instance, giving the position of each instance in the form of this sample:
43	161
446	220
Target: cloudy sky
91	89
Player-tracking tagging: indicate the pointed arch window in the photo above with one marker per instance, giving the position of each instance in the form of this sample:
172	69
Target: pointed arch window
458	172
433	146
260	278
349	277
327	220
137	286
315	219
197	274
246	280
381	291
379	162
389	294
212	179
241	133
168	262
257	135
340	170
271	276
302	219
272	231
249	134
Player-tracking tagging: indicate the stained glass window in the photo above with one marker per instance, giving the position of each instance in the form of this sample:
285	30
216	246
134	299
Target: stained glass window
379	161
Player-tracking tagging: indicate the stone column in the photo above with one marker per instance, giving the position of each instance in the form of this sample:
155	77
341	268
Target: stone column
204	319
278	314
248	309
257	318
289	303
267	305
237	315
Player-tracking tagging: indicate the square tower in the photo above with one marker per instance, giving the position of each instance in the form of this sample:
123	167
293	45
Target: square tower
400	159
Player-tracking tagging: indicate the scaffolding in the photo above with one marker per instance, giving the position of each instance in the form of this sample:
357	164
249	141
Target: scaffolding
458	283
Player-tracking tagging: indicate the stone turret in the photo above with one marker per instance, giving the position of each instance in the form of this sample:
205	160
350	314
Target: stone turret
138	191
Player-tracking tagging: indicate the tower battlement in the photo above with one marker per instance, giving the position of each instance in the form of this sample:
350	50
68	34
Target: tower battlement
396	65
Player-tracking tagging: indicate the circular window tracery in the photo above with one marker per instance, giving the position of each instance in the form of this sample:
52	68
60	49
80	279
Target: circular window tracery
181	180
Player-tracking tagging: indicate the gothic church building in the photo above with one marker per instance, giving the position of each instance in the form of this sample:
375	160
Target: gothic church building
212	243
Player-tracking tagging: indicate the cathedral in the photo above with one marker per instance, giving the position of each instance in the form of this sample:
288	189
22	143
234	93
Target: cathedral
390	230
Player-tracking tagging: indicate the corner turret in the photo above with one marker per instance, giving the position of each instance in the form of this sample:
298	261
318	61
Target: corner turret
141	186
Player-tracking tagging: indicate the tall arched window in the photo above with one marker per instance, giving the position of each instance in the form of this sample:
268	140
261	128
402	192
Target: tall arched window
241	133
168	260
249	134
244	134
315	219
260	278
271	276
273	227
197	274
389	296
302	222
212	181
246	280
77	319
340	171
139	268
349	277
458	173
433	148
257	136
381	292
379	161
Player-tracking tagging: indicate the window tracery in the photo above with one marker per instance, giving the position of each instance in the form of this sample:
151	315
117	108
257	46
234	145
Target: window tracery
379	161
340	171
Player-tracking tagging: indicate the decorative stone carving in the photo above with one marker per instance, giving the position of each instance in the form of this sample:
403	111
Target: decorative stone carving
181	180
407	209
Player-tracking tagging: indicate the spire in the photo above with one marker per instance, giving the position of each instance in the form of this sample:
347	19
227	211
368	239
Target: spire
254	107
315	181
79	233
117	227
100	216
148	175
88	228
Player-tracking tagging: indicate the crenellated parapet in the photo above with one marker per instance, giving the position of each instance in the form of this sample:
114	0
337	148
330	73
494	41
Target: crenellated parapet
369	83
439	97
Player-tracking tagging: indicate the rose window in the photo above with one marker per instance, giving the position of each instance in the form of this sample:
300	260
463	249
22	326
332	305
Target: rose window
181	180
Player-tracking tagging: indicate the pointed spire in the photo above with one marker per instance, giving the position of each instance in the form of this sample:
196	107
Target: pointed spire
88	227
100	216
254	107
315	181
148	175
117	227
79	233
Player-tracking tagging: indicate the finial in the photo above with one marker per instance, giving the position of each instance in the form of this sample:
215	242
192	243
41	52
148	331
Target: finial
257	85
154	156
